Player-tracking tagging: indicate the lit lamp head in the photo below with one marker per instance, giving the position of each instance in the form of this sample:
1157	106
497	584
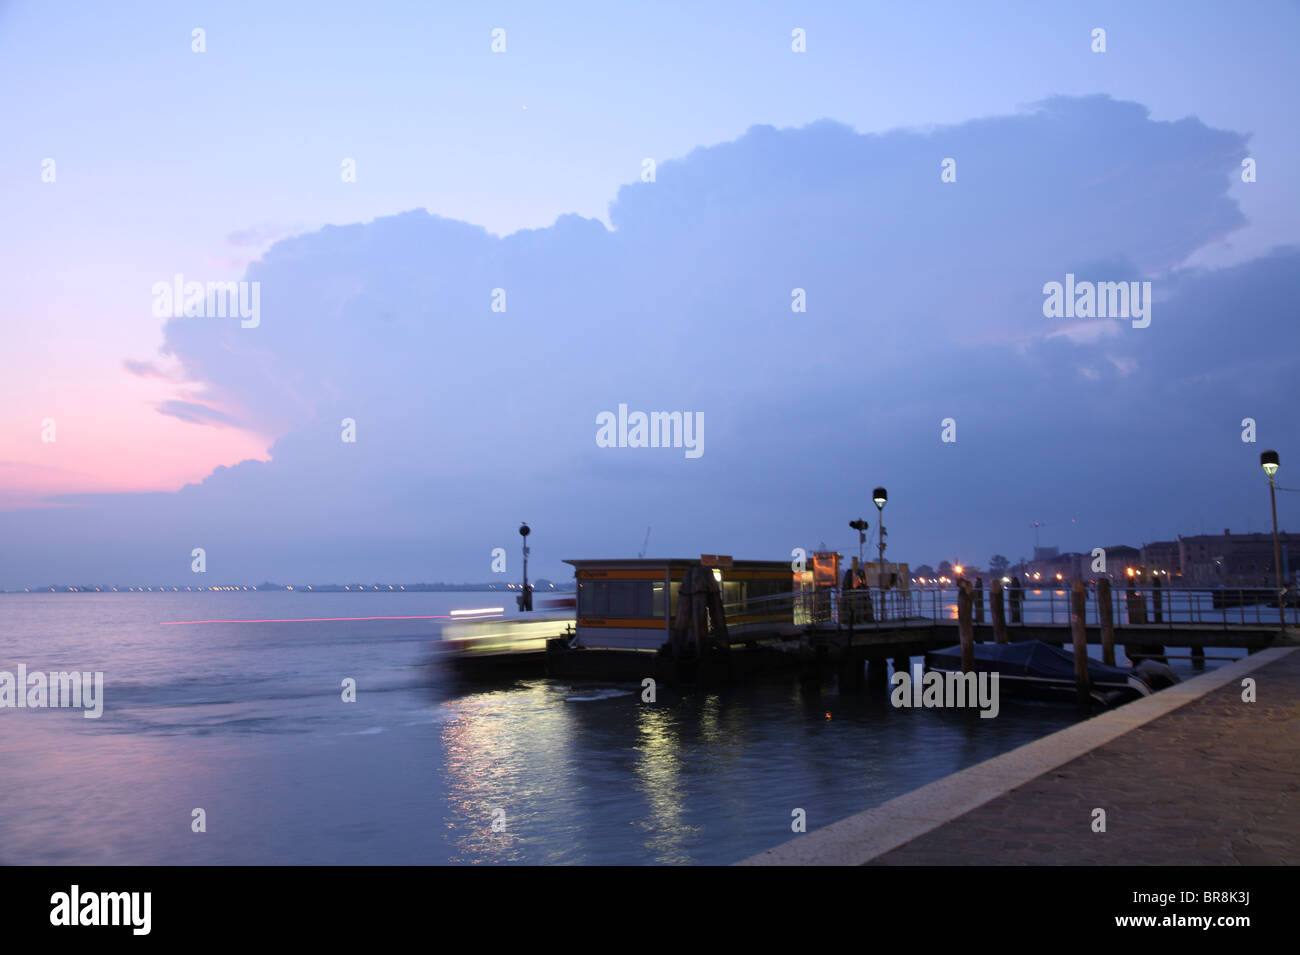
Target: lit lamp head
1268	461
880	496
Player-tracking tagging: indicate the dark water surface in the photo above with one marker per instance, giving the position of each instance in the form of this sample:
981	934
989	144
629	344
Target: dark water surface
245	720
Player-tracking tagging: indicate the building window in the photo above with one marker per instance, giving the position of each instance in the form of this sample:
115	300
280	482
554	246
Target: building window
593	598
657	599
731	592
617	599
622	598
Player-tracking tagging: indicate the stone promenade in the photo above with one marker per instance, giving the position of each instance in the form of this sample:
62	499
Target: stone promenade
1213	781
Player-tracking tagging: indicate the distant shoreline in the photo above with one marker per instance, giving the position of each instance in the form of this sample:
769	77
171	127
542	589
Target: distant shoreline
542	585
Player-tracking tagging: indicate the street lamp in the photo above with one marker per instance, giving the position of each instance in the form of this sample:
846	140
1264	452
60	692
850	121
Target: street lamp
1269	462
880	496
525	598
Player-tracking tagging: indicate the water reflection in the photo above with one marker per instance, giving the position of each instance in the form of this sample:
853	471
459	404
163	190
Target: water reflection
659	779
496	784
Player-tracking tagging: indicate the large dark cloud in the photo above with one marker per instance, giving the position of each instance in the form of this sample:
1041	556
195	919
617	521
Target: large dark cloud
924	302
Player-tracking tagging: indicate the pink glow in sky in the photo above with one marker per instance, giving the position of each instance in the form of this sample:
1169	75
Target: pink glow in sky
108	435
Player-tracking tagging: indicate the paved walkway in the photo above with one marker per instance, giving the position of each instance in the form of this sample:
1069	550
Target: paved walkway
1213	781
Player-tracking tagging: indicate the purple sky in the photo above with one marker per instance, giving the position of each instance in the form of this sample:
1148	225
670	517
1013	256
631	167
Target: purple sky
776	171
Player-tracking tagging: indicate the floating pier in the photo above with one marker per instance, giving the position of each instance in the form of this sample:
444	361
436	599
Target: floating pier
717	619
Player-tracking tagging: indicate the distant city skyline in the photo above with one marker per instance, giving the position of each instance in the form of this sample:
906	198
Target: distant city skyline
1175	558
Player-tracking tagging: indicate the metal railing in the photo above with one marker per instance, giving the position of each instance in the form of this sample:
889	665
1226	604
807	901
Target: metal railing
872	607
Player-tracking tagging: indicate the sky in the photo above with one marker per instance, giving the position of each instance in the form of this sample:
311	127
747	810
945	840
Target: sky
128	438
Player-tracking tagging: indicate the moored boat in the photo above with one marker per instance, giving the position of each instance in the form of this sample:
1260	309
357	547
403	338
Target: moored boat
1032	669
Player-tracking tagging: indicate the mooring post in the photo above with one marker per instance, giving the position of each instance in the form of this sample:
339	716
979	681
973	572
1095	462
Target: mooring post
1105	613
964	627
1140	605
1198	658
1079	631
999	611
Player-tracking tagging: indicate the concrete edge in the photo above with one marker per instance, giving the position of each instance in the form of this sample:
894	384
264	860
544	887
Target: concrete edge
862	837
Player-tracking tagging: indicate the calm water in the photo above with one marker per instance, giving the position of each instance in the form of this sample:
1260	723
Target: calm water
245	720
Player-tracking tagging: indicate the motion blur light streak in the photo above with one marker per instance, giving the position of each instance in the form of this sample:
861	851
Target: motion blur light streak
178	623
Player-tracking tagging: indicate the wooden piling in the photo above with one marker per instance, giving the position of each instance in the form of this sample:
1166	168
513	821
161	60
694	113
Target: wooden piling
965	628
1198	658
1140	606
1079	631
1106	611
999	611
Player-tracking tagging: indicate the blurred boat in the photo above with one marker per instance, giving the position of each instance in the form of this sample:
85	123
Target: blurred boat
1032	669
505	646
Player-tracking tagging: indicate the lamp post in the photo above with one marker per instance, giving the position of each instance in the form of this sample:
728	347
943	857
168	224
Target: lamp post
880	496
1269	462
525	598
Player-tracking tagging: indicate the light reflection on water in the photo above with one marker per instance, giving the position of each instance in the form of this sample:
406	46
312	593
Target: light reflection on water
246	721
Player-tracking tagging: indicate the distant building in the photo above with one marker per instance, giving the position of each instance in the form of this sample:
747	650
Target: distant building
1048	562
1078	566
1163	556
1119	559
1236	560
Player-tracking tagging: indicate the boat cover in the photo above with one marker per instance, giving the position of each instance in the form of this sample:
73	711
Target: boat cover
1032	658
